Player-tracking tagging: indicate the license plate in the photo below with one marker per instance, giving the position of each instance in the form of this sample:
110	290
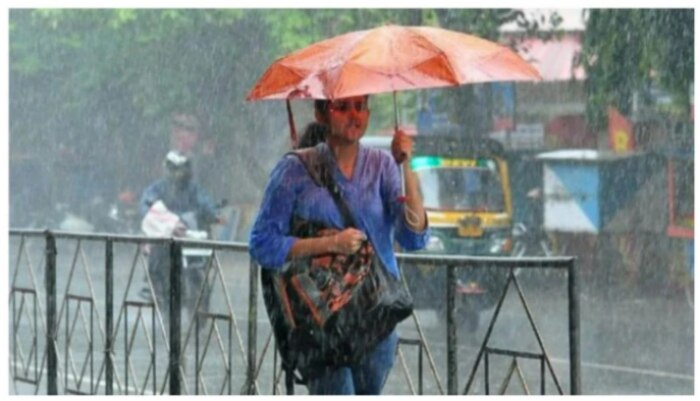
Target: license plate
470	227
470	231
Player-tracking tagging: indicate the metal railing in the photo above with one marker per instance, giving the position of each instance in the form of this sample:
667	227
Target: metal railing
574	334
201	328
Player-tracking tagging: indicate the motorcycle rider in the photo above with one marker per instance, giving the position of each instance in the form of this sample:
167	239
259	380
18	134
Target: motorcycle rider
192	204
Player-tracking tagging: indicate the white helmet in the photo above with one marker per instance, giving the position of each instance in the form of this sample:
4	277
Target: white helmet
178	166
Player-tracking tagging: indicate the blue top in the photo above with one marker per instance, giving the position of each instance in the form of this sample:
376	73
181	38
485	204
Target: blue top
371	196
190	198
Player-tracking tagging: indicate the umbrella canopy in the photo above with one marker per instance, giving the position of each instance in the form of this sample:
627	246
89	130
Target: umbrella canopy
389	58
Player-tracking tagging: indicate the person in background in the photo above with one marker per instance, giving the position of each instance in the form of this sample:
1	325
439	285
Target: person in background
183	197
189	137
178	191
185	131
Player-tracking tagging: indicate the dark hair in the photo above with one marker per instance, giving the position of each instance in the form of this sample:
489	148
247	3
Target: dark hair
314	133
321	105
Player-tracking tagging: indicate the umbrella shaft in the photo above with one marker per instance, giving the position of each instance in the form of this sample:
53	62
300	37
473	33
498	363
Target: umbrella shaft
396	114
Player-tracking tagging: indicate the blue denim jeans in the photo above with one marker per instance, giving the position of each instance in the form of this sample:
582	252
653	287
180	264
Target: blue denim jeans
365	378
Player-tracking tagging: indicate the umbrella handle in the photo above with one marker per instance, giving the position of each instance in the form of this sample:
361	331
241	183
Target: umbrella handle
402	197
401	157
292	129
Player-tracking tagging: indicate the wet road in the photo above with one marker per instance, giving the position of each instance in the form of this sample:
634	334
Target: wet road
630	343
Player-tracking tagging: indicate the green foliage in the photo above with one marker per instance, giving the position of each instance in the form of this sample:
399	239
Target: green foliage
296	28
627	51
103	82
159	61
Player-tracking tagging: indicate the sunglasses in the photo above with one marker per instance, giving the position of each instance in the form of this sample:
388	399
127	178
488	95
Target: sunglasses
343	106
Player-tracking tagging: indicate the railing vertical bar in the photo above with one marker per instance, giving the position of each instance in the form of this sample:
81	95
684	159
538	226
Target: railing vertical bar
109	316
93	385
451	331
52	355
574	330
252	327
126	349
13	297
35	297
67	342
542	375
230	357
154	356
487	390
175	311
420	368
196	353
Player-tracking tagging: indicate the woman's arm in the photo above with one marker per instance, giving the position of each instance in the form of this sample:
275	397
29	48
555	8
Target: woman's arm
414	213
270	241
411	229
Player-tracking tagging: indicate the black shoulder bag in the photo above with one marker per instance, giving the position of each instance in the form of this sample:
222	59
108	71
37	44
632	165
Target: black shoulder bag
331	310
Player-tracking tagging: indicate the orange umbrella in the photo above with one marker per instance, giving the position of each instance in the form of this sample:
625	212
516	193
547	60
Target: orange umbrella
389	58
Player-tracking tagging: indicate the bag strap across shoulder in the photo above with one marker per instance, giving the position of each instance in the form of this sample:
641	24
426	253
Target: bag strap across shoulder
319	169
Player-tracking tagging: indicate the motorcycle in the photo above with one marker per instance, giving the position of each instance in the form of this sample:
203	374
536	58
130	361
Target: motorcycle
530	242
122	216
160	222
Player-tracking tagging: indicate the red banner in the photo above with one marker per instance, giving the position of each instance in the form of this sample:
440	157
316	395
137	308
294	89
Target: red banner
620	133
